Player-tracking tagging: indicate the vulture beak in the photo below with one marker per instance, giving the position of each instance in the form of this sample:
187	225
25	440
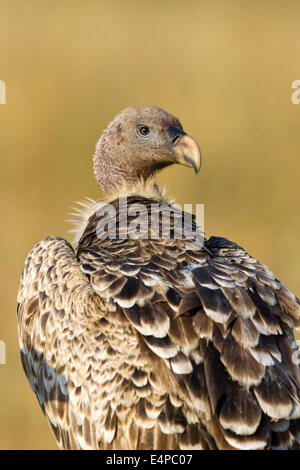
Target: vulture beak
185	148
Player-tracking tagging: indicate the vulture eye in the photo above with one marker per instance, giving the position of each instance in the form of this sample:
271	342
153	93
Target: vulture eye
143	131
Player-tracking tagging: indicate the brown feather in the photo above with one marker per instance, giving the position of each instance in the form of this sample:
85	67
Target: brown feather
154	342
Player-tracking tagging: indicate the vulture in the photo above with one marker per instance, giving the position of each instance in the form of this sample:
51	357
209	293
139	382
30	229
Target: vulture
142	336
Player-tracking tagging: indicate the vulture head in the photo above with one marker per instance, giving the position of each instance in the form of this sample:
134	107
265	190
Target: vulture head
140	141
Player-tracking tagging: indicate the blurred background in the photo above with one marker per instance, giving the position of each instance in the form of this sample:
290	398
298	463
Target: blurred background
225	68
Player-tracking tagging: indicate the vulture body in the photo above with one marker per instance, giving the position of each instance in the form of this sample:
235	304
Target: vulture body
154	342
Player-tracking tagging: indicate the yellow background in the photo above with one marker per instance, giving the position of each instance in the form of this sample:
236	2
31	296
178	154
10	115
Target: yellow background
225	68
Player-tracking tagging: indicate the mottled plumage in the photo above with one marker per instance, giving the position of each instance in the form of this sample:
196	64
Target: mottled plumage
156	343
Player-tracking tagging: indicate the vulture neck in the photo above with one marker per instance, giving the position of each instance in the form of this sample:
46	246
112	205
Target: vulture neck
110	178
111	175
113	168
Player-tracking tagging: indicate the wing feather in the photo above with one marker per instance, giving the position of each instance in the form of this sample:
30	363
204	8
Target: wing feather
53	295
233	320
142	343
